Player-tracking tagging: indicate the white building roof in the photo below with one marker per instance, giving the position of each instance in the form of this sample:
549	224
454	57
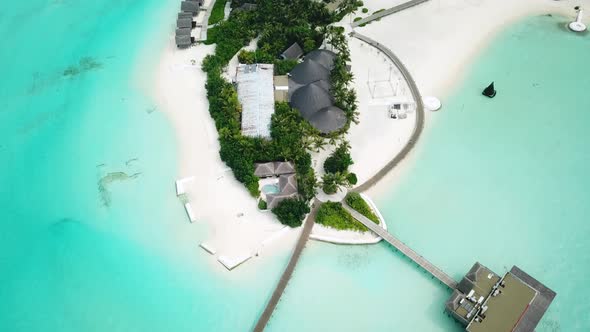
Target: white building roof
256	94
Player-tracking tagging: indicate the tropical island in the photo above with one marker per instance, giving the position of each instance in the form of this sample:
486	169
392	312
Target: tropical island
278	108
282	96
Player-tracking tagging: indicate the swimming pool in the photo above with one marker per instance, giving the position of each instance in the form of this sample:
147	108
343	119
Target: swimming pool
270	189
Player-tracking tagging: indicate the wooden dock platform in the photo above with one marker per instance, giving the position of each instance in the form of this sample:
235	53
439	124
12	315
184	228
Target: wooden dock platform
387	12
403	248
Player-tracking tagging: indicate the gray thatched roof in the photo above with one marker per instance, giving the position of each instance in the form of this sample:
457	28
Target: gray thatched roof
263	170
183	32
189	6
287	184
310	99
309	71
323	57
293	52
328	119
185	15
183	41
184	23
284	167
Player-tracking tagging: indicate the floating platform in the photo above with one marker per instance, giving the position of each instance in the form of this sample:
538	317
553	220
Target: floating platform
208	248
231	263
189	212
180	189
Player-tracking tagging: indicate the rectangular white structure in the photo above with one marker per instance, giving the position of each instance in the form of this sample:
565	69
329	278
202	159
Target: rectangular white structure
208	248
189	212
256	94
231	263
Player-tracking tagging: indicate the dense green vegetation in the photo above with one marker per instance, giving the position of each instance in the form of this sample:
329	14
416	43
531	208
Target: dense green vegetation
333	215
217	12
336	168
262	204
355	201
365	10
278	24
291	211
339	160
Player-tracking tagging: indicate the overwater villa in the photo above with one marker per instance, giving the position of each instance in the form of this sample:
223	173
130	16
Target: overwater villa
485	302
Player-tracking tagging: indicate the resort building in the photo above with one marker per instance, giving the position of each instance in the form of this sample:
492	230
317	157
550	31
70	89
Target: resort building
256	95
278	181
294	52
190	7
309	92
486	302
281	84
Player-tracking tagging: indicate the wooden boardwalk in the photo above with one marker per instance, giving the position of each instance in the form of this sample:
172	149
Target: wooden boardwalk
276	295
404	249
387	12
418	127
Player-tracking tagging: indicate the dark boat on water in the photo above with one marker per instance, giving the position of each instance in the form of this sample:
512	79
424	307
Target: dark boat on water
489	91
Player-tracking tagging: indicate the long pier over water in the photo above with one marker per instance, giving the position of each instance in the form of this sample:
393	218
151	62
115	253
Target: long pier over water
403	248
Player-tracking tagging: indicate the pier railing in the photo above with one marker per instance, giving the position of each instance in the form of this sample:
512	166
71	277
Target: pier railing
403	248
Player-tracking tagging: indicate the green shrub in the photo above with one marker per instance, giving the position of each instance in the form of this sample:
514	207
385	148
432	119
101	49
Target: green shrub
357	19
332	181
262	204
332	214
282	67
352	179
356	201
217	13
291	212
365	10
339	160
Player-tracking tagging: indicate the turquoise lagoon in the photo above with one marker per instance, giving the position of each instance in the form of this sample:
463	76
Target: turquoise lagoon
93	239
502	181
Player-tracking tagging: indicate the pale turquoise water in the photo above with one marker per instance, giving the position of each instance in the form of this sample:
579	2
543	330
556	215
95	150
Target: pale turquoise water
70	263
73	258
502	181
270	189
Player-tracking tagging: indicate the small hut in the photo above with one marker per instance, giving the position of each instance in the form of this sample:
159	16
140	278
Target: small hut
292	53
183	32
264	170
190	7
183	41
185	15
185	23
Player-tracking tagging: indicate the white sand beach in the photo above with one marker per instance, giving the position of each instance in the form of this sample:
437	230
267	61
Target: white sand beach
235	225
436	41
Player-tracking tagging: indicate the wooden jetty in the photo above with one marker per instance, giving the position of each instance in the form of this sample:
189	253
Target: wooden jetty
276	295
387	12
403	248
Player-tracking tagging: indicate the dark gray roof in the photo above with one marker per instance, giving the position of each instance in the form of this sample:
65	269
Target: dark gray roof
184	23
323	57
263	170
183	41
310	99
309	71
293	52
189	6
283	167
538	306
183	32
185	15
287	184
328	119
